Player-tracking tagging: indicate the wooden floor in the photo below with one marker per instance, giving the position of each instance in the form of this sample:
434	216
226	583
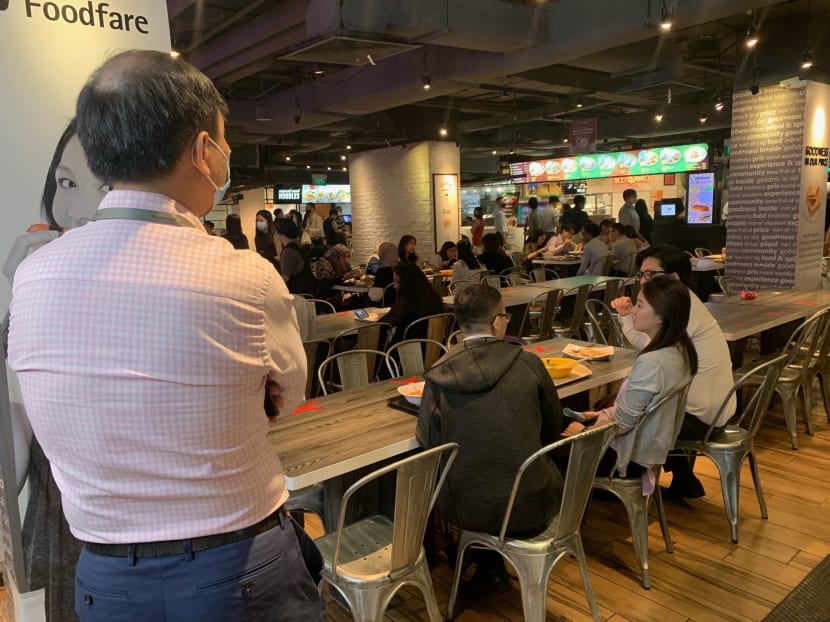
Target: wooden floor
707	577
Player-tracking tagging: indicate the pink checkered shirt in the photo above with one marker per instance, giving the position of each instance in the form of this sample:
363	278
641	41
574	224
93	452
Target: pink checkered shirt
142	351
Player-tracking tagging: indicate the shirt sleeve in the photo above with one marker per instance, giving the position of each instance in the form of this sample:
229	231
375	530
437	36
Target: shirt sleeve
286	359
291	262
645	382
637	338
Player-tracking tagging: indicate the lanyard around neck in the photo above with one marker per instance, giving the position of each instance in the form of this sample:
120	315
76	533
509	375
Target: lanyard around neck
132	213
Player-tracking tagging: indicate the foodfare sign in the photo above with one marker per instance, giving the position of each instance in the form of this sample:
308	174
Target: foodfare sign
93	14
679	159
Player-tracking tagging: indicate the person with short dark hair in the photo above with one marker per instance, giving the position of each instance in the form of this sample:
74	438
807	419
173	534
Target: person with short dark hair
499	403
494	257
594	251
500	217
628	215
533	224
313	223
713	380
576	216
334	235
233	232
639	241
163	342
295	267
623	248
646	220
604	231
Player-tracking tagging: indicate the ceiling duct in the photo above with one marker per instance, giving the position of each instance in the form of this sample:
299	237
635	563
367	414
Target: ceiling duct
347	51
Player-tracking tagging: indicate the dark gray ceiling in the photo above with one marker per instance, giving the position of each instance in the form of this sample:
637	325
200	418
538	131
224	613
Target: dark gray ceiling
504	76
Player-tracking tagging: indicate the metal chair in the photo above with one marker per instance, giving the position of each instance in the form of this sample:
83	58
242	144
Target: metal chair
612	289
538	275
543	309
535	557
629	490
515	269
493	280
515	279
369	560
389	294
367	336
804	351
315	349
460	286
607	266
730	286
701	252
322	306
518	258
414	356
573	328
356	368
728	447
454	339
603	324
478	277
438	327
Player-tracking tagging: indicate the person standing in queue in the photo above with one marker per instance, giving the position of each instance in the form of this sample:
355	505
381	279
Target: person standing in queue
628	215
144	380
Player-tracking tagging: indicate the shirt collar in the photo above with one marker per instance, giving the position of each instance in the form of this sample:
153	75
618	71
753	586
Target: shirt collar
150	201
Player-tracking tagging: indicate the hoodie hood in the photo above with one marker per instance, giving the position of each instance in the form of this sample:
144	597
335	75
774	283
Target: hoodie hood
474	366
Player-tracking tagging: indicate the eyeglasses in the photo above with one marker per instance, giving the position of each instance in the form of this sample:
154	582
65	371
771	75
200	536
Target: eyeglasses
506	316
649	274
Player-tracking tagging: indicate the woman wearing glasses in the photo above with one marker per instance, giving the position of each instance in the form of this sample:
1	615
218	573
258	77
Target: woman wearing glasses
713	379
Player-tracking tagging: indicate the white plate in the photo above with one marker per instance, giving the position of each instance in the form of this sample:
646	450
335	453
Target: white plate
599	353
579	372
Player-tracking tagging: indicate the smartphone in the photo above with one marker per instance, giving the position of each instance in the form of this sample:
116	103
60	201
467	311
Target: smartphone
573	414
361	314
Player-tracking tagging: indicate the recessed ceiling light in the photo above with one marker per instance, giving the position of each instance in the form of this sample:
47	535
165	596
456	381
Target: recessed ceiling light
288	158
427	82
443	131
494	152
807	59
348	147
658	117
719	104
343	156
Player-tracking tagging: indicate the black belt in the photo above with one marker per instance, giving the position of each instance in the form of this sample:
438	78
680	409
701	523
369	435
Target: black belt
191	545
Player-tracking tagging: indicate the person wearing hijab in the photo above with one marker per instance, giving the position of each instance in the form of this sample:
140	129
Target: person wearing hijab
387	260
333	269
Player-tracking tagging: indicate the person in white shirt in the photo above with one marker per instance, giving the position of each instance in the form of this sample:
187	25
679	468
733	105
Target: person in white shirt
624	250
549	215
628	215
145	373
594	251
313	222
713	379
560	244
500	218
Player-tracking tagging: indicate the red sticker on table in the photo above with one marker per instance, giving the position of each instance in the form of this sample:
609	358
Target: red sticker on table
410	380
806	303
309	406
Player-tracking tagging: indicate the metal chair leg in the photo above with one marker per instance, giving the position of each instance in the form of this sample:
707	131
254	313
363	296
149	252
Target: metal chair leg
756	478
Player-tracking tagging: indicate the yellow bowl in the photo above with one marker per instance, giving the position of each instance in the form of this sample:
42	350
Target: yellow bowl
559	367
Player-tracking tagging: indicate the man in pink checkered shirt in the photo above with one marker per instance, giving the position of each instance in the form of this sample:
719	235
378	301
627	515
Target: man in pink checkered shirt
144	347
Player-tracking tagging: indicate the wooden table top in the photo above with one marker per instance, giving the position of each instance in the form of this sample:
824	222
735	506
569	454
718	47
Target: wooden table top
575	281
329	325
809	300
524	294
737	321
561	261
339	433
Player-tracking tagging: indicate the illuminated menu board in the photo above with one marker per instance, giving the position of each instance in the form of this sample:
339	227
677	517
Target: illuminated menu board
327	194
623	163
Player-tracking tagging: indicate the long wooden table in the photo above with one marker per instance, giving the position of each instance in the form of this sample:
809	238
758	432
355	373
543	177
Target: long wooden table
329	325
525	294
334	435
738	321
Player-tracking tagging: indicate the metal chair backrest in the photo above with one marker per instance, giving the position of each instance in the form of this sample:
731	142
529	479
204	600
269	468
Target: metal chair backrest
730	286
586	450
630	288
538	275
607	266
514	279
701	252
356	368
322	306
315	349
604	323
416	490
549	302
454	339
478	277
438	327
517	258
582	292
678	396
493	280
389	295
414	356
808	336
512	270
460	286
612	289
754	407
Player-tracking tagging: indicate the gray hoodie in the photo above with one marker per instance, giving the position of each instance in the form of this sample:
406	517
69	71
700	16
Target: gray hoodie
499	403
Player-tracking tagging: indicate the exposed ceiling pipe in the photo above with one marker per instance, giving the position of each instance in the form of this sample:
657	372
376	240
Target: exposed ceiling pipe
223	25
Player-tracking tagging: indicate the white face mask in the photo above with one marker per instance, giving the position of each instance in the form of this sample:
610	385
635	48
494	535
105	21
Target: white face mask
262	226
221	190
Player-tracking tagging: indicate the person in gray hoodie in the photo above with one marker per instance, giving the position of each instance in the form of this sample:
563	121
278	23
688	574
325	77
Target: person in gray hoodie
499	403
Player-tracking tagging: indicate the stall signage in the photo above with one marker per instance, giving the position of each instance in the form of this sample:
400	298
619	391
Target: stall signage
631	180
319	180
679	159
289	195
327	194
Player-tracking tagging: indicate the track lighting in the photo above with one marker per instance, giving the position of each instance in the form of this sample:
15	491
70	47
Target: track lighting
658	117
703	117
718	104
317	70
752	36
807	59
427	82
666	18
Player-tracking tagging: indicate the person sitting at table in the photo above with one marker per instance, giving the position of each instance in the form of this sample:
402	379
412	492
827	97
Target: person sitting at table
445	258
406	249
494	256
623	248
294	265
414	299
665	365
499	403
333	269
467	266
333	234
384	274
559	244
632	234
536	243
594	251
713	379
605	231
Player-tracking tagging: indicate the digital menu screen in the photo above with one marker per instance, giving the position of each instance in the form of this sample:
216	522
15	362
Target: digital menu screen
701	199
327	194
655	161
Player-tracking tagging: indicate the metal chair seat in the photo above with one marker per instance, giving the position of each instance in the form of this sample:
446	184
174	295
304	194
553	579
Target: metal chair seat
365	552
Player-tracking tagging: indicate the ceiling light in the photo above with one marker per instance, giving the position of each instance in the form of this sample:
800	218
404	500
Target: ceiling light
262	114
564	140
579	103
703	117
443	131
658	117
328	168
345	169
718	104
174	54
288	158
317	70
348	147
494	152
666	18
752	37
807	59
512	152
343	156
308	166
427	82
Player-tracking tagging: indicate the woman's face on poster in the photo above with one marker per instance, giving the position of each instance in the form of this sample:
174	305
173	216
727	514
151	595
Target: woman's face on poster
78	191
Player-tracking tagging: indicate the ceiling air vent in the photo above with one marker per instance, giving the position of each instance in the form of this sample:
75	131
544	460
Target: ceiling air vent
347	51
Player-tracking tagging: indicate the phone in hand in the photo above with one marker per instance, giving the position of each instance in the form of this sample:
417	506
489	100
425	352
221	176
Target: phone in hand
573	414
361	314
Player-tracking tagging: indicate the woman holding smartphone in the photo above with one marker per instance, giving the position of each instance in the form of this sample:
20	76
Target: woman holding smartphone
665	365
